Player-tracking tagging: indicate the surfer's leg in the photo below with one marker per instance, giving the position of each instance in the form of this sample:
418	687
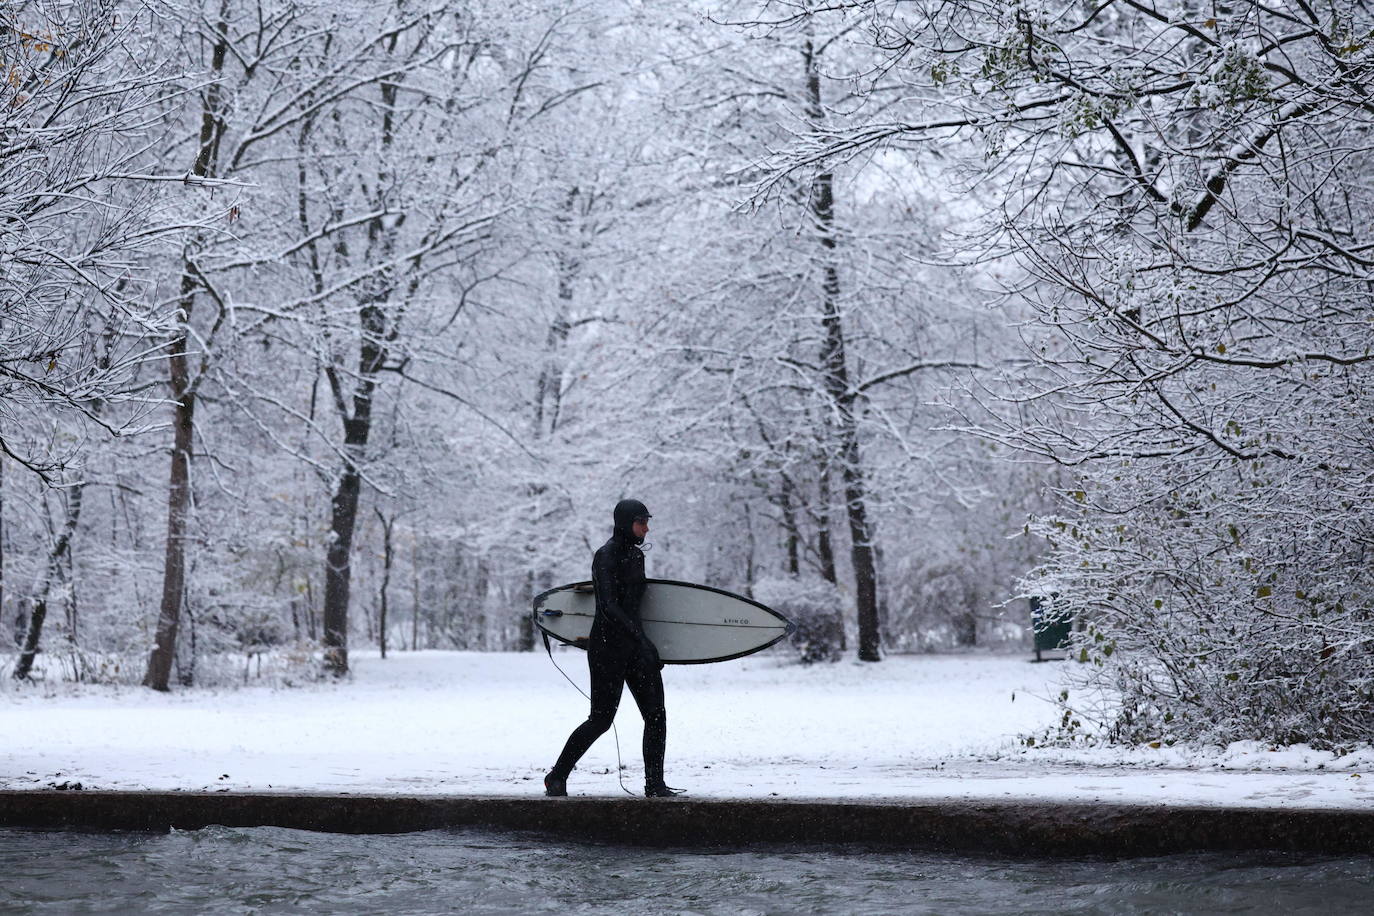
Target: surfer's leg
646	686
607	671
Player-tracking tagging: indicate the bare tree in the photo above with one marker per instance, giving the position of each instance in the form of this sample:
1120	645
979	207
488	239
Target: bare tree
246	127
56	573
825	329
76	316
1183	190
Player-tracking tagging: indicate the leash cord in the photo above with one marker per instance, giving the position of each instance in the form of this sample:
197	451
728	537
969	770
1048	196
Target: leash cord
619	765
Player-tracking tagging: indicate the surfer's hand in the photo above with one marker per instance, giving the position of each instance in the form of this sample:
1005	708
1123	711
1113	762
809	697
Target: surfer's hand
650	652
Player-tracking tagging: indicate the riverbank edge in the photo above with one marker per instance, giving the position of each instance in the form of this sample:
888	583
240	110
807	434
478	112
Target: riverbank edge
1014	828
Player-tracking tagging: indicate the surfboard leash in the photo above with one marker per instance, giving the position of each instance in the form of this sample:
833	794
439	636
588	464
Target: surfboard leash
615	733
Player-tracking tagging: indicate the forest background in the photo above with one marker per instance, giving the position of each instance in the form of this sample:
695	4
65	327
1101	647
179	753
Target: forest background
337	323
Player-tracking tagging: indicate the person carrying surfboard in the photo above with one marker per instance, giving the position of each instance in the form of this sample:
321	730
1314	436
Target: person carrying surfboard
619	654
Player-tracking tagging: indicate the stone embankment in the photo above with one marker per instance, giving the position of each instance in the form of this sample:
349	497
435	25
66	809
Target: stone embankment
1013	828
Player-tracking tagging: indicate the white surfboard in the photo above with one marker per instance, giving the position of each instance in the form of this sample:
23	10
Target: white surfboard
688	624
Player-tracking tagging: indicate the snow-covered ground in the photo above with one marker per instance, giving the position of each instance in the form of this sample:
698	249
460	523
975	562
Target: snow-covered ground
921	727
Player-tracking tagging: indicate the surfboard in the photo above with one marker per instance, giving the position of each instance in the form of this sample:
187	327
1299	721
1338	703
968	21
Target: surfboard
689	624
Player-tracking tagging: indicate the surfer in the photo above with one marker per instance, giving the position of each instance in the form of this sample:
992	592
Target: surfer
619	654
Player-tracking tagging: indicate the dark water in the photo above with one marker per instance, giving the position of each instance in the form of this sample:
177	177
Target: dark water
269	870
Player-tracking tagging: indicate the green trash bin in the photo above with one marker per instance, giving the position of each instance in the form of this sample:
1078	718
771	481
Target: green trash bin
1051	631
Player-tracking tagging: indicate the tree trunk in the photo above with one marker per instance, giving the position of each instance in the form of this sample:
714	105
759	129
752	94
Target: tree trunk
861	550
37	614
837	386
357	423
308	610
338	555
69	601
824	548
525	632
160	659
792	535
414	596
52	569
387	555
186	658
374	332
749	550
184	402
480	587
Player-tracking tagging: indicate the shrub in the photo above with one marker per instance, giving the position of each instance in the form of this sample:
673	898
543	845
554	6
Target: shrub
815	607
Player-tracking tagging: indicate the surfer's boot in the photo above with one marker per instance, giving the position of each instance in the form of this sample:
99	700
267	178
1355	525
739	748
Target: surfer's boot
661	790
556	786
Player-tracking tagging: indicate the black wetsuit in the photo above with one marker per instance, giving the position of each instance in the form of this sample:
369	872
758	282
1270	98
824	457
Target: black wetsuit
619	654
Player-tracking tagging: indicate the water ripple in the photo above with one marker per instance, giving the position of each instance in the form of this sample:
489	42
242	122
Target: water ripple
266	870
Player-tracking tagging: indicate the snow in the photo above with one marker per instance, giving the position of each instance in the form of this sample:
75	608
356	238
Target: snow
914	727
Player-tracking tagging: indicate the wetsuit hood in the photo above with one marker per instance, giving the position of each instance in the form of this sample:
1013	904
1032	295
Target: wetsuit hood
626	511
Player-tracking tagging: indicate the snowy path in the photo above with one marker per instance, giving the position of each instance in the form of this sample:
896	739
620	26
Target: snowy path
928	727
